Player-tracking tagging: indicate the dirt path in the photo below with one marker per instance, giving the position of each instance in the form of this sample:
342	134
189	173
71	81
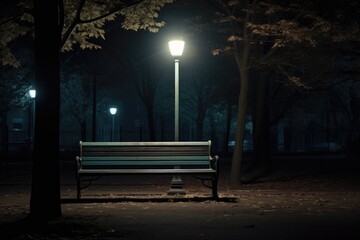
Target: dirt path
292	203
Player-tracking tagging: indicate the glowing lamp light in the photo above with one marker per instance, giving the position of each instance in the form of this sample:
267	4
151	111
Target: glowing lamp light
176	47
113	110
32	93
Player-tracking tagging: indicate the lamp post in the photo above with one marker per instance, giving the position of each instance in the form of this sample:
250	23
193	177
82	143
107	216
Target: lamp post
113	111
176	50
32	93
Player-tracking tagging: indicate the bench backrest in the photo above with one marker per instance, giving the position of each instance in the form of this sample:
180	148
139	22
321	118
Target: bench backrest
145	155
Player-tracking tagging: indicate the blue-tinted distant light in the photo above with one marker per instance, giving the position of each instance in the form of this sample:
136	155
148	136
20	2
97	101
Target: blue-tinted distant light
32	93
113	110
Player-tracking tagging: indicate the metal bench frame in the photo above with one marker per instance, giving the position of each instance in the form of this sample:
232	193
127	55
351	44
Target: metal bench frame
172	158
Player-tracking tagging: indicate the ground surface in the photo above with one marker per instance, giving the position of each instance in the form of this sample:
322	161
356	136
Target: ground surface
303	198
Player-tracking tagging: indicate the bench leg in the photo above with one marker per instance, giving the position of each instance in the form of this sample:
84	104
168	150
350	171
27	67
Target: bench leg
214	188
78	193
78	187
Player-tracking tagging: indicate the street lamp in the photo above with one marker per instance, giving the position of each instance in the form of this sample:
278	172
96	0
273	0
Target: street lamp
176	50
113	111
32	93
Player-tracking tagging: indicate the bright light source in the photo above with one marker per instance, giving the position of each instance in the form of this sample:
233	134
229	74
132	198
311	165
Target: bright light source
113	110
176	48
32	93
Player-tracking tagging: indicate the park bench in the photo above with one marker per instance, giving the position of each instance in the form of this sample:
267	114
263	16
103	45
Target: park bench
172	158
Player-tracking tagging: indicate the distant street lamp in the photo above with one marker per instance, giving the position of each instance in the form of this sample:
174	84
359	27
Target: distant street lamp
113	111
32	93
176	50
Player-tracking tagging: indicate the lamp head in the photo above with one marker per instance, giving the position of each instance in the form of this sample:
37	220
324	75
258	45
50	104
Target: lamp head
176	47
113	110
32	93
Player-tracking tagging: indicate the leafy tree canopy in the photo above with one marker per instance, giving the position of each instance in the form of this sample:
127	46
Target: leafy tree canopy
81	22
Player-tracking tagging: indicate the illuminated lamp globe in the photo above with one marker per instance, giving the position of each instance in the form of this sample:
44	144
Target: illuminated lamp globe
176	47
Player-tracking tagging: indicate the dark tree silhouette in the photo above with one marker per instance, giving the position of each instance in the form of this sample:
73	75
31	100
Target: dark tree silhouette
45	190
55	32
146	85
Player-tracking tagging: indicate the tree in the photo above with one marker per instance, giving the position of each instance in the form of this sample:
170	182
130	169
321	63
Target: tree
204	88
81	22
146	75
14	87
59	26
75	99
45	176
12	27
146	85
265	35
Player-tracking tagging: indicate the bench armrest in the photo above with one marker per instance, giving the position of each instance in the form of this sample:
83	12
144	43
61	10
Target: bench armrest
78	162
214	162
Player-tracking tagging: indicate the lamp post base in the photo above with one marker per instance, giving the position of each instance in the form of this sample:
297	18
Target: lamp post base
176	187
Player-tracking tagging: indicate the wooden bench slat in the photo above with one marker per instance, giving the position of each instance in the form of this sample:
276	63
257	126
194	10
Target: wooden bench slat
144	163
148	171
170	151
147	158
147	144
134	154
144	151
151	146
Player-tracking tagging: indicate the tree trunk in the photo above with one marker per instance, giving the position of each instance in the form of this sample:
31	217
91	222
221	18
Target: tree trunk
150	119
45	190
4	138
228	129
261	157
162	127
83	130
242	60
353	141
236	162
146	87
94	110
200	124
